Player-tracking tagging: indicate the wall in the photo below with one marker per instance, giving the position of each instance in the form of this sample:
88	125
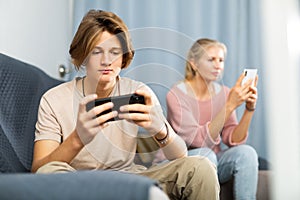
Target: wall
282	55
37	32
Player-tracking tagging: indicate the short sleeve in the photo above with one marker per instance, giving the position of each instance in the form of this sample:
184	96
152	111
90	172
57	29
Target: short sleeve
47	126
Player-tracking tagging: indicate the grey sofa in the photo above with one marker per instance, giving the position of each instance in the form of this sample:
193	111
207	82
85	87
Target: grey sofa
21	86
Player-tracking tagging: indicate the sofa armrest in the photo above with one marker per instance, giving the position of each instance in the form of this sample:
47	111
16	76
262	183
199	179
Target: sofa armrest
77	185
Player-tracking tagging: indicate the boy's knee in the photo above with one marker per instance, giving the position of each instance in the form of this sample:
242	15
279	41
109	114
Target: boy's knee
203	167
199	177
202	161
205	175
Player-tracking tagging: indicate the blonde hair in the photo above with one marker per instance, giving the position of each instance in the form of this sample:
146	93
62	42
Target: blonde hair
89	32
197	50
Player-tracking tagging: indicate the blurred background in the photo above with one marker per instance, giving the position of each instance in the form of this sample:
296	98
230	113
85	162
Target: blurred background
262	34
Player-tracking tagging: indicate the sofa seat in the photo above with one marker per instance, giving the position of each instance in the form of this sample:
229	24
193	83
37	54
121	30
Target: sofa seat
75	185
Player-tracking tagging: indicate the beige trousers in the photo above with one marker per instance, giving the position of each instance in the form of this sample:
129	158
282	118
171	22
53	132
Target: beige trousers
190	178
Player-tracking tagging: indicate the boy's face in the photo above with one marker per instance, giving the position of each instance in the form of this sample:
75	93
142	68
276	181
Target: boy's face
105	61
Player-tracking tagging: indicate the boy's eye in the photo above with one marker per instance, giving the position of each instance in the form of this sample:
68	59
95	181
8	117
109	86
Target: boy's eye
117	52
96	51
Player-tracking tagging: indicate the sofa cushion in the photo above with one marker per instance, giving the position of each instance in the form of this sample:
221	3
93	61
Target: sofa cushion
21	87
95	184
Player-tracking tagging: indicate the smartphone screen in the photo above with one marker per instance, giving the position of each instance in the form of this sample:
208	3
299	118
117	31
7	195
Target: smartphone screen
118	101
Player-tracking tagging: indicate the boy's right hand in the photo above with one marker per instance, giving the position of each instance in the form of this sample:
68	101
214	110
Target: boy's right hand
88	125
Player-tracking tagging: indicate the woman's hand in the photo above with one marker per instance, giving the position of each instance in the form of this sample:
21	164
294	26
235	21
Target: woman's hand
88	125
240	93
148	116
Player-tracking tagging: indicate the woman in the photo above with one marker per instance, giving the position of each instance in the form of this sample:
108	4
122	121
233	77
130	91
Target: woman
203	113
68	137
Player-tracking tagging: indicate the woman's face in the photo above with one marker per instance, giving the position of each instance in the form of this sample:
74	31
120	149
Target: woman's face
105	61
211	64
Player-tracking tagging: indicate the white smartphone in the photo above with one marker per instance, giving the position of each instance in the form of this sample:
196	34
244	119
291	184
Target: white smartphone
249	74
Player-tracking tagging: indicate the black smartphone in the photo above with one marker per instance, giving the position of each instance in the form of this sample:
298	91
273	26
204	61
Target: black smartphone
118	101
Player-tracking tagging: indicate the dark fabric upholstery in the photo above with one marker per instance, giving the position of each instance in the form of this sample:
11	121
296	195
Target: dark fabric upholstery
21	87
87	185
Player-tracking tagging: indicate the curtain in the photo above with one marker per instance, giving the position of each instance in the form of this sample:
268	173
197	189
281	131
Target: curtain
163	31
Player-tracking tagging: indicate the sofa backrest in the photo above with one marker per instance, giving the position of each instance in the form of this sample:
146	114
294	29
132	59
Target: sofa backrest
21	87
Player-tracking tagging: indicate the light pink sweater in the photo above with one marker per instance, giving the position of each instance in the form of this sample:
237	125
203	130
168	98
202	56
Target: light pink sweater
190	118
